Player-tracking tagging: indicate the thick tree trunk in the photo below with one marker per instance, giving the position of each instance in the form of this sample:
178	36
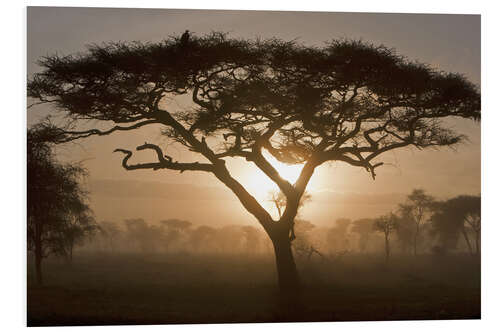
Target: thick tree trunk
288	277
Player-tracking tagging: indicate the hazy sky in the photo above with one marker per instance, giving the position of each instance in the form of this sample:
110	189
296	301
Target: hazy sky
447	42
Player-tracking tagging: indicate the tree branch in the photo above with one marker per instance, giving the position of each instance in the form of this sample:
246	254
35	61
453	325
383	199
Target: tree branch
62	136
164	161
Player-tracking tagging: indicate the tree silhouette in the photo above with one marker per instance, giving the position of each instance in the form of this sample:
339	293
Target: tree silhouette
417	208
58	214
447	226
175	231
405	231
147	237
348	101
110	232
364	229
473	220
202	237
461	214
75	231
252	238
386	224
337	236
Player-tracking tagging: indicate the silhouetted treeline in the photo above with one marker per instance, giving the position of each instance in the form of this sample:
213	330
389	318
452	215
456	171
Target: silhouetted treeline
420	225
177	236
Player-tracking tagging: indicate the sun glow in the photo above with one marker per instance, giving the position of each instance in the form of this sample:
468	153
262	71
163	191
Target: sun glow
261	184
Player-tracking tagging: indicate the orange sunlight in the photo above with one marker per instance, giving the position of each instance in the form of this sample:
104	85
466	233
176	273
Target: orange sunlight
261	185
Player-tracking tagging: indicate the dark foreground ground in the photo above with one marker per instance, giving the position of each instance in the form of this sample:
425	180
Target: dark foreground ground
104	289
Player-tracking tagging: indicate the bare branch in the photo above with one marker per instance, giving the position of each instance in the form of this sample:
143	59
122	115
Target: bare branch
164	162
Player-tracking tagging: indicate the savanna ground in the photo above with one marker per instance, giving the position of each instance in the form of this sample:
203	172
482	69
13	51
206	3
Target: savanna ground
105	289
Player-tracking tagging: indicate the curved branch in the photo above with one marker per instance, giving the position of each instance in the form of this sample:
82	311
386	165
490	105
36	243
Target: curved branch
164	161
64	136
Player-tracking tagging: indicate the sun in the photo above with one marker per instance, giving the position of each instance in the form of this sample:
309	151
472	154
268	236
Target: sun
261	185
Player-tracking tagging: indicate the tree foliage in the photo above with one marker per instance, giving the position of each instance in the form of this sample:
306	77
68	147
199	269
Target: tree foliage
56	199
364	229
417	209
110	232
386	224
58	212
337	235
457	216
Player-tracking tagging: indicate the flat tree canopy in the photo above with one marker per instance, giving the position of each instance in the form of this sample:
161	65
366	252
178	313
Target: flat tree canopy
348	101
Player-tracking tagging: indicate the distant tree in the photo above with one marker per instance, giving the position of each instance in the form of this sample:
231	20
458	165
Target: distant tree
176	231
176	224
473	220
458	215
110	232
229	239
405	232
57	209
252	238
279	201
418	208
347	101
75	231
304	245
337	235
147	237
386	224
364	229
446	226
202	237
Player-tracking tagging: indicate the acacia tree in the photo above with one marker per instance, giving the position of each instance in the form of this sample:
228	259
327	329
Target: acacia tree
147	237
418	208
446	227
76	229
202	238
364	229
405	232
473	220
458	215
386	224
56	202
347	101
337	236
468	214
175	231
